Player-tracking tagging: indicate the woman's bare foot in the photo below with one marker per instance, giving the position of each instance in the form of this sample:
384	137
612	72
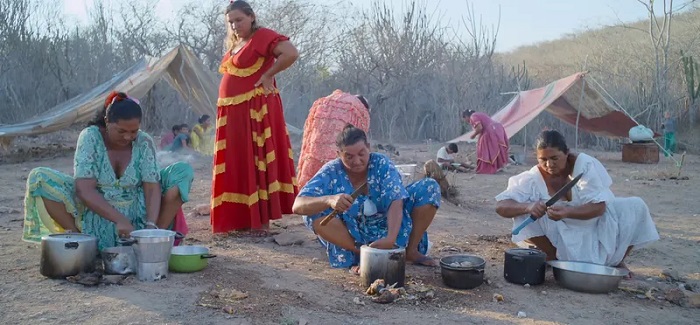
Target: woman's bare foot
623	266
355	270
420	259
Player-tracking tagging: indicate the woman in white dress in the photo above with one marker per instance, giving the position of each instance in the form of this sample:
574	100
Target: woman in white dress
589	224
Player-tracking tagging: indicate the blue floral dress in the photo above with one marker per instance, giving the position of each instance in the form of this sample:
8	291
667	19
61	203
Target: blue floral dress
124	193
384	187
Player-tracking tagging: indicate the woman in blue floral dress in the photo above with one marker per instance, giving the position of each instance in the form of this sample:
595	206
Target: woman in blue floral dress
386	214
117	186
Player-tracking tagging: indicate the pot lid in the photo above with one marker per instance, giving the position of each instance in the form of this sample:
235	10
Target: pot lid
69	237
525	252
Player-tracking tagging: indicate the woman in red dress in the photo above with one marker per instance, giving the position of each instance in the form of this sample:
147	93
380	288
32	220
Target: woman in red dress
254	180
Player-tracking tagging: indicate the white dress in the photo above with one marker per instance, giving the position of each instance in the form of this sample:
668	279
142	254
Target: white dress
601	240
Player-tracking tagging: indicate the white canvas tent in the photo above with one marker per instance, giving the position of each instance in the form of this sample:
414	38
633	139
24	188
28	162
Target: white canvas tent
180	67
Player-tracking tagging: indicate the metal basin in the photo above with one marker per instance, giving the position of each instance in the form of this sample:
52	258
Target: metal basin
462	271
587	277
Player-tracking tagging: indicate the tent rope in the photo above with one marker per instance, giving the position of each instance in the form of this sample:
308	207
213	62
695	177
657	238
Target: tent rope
666	152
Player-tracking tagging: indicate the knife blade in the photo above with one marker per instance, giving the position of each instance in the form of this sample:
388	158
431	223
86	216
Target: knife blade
354	195
558	195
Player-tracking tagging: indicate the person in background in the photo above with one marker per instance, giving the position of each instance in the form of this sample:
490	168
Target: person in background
327	118
254	178
202	136
182	140
116	186
446	158
669	127
492	147
590	224
168	138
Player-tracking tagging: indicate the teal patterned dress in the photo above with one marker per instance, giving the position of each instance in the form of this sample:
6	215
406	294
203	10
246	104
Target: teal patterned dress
125	193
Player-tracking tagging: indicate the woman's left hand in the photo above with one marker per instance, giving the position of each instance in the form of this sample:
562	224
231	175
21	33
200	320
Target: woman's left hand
557	213
384	243
267	83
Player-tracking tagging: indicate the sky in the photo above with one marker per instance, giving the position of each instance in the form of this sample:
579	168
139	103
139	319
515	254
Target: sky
522	22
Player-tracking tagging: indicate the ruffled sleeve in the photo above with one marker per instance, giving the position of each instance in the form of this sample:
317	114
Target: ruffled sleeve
522	188
594	186
148	167
266	40
86	159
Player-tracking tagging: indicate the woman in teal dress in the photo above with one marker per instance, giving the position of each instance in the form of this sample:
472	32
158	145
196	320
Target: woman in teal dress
116	187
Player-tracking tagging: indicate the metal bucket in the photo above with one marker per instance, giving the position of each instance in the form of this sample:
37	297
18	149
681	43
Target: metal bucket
387	264
153	245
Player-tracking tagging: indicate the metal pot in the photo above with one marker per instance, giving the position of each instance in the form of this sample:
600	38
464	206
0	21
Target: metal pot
387	264
462	271
151	245
67	254
119	260
187	259
152	249
524	266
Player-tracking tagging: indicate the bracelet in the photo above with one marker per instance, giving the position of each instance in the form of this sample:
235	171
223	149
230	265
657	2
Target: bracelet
150	223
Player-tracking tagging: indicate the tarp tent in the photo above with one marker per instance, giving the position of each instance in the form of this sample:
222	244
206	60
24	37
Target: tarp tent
572	100
180	67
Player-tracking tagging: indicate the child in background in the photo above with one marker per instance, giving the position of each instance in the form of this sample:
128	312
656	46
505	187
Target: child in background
181	140
167	140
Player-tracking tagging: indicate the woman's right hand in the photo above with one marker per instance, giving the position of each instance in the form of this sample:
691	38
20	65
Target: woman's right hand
537	209
340	202
124	228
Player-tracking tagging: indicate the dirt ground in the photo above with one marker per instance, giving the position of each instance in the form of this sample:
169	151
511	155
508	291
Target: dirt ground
257	281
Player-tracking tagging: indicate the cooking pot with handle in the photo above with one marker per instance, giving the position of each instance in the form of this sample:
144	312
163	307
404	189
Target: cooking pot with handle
67	254
524	266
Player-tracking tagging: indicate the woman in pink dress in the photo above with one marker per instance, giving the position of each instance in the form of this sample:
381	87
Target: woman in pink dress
492	147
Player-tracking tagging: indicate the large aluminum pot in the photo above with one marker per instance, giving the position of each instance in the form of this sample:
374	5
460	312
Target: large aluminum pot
67	254
387	264
151	245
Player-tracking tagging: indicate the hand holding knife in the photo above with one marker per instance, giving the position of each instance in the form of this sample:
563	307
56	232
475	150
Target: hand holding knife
354	196
558	195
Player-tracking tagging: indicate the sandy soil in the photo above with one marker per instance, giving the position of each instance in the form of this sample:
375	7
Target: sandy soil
294	285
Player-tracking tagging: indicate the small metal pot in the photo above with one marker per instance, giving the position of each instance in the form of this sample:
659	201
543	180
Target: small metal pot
119	260
185	259
387	264
67	254
469	276
524	266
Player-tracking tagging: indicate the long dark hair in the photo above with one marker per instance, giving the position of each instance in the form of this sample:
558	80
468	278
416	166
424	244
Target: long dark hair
363	100
552	139
118	106
350	136
203	118
467	113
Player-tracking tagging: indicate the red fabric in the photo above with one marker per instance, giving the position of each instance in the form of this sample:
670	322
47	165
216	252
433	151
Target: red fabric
327	118
180	225
492	148
254	179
